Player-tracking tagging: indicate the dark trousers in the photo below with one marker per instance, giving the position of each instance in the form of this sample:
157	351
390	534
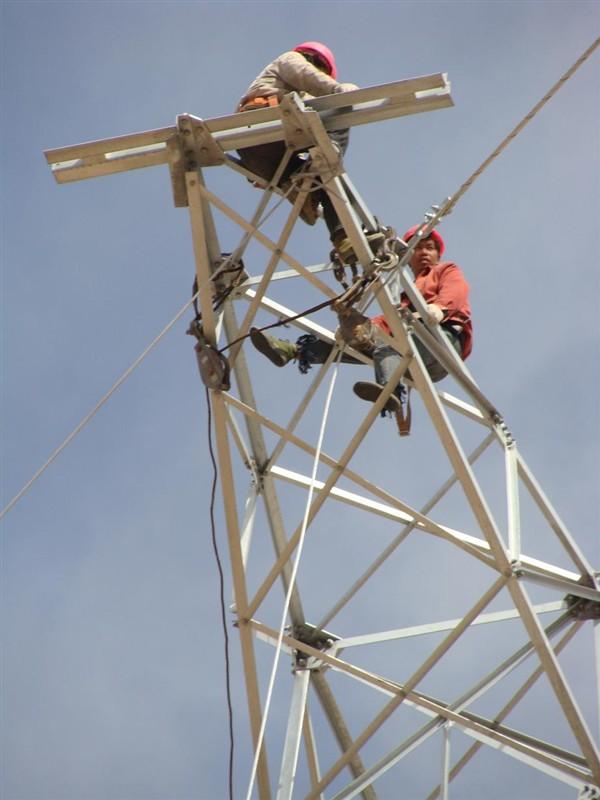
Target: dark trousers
263	160
385	359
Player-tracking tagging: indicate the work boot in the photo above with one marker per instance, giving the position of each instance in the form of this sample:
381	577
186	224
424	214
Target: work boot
309	212
279	351
370	391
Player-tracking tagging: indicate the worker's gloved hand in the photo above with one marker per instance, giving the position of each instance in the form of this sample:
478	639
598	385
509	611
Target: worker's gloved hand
435	313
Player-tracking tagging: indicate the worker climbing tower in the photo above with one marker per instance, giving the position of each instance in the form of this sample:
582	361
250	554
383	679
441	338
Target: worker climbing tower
499	588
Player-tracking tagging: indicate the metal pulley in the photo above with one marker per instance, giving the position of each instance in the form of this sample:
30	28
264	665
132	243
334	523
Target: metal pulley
213	366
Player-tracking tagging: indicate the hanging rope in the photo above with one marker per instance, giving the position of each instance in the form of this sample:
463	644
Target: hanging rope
213	492
288	596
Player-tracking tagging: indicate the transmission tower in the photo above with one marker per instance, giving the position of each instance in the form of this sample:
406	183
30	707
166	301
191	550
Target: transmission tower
402	686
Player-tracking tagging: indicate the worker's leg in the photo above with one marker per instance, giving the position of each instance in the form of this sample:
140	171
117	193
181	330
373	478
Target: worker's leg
334	226
263	160
386	361
434	368
306	350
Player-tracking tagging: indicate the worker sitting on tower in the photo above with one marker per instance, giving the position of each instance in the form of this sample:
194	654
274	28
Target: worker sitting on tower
446	293
310	70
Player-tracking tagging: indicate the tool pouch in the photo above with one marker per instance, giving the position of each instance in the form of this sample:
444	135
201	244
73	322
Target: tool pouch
403	416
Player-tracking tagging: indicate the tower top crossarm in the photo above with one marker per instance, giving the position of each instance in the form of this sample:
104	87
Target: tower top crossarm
222	134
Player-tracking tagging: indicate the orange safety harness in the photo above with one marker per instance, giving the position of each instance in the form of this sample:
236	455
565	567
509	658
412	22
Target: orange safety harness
258	102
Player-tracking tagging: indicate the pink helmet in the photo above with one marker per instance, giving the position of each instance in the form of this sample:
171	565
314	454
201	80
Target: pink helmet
432	234
320	50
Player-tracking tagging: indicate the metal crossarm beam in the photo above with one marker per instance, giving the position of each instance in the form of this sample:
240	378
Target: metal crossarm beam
220	134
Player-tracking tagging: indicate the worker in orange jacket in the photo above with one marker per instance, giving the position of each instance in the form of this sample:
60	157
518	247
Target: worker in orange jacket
446	293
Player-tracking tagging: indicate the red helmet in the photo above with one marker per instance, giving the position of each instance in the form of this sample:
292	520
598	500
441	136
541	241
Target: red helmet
432	234
322	51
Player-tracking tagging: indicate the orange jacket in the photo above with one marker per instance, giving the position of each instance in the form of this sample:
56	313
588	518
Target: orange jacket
445	285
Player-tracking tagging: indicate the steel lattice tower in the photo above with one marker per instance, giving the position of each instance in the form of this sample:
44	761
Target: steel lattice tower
390	680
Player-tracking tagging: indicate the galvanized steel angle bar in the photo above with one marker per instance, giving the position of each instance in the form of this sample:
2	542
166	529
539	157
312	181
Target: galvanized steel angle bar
201	254
248	522
239	583
297	131
491	533
382	766
483	732
358	203
228	132
283	275
293	734
259	453
553	519
349	219
177	170
449	441
556	677
310	747
266	242
204	240
512	501
325	157
405	515
391	110
541	568
340	729
518	696
270	268
445	759
469	411
114	144
261	126
383	92
334	476
436	627
411	683
430	728
97	166
351	475
431	503
198	142
572	587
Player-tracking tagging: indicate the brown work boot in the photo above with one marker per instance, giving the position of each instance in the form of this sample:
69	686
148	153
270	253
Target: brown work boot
370	391
309	212
279	351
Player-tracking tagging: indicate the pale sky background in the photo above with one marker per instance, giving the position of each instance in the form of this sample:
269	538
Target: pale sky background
112	665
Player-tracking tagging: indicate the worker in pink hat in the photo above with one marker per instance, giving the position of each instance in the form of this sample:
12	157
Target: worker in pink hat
310	70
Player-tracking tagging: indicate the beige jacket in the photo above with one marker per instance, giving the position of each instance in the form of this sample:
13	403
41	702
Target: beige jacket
291	72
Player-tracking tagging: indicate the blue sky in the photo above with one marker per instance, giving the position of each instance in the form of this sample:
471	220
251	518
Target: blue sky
112	679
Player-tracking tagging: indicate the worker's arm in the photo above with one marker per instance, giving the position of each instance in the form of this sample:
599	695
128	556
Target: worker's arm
300	74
